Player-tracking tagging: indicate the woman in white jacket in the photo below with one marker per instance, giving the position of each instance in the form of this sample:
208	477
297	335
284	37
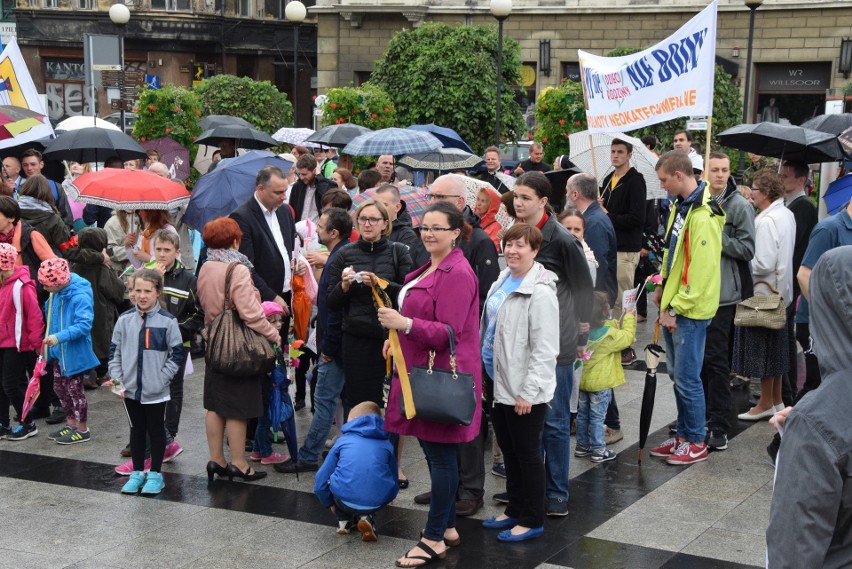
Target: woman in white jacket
761	352
520	342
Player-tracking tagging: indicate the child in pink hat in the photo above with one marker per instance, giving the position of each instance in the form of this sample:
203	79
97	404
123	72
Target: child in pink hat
261	449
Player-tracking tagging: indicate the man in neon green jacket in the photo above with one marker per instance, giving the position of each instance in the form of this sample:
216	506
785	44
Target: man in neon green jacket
688	299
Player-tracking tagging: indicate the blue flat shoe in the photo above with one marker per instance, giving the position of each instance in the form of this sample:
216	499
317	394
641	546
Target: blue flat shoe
494	523
531	533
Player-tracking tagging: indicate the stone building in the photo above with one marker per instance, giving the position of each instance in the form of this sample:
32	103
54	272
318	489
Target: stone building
796	43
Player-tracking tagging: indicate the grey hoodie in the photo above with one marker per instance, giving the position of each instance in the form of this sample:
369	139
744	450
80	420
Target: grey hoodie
737	244
810	523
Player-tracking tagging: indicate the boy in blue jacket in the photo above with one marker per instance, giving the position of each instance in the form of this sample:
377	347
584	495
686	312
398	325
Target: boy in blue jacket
359	476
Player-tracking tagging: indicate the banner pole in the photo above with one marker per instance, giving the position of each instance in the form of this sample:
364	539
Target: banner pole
594	160
707	147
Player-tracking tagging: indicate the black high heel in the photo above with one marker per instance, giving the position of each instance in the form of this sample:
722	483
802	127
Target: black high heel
214	468
233	471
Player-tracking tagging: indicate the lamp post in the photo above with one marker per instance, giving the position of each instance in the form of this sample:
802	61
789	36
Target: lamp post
752	5
295	12
120	15
500	9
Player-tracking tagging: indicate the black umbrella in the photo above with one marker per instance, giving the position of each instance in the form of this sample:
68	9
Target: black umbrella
245	136
652	359
558	183
93	145
782	141
337	135
211	121
832	124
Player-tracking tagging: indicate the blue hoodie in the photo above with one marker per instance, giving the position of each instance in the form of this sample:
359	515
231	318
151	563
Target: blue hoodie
71	323
360	469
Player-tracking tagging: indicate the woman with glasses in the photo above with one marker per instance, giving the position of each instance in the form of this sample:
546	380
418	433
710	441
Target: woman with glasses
352	271
442	293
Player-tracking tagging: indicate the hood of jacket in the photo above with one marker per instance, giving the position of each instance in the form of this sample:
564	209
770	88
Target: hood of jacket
93	238
368	426
831	309
19	273
494	204
403	218
32	204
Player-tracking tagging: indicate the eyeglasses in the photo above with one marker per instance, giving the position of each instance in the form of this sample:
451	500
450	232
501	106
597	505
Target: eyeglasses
441	197
370	220
427	230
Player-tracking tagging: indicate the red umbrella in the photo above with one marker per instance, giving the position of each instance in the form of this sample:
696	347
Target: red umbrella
34	386
128	190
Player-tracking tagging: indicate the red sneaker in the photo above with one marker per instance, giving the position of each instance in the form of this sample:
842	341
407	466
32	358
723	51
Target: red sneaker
667	448
688	453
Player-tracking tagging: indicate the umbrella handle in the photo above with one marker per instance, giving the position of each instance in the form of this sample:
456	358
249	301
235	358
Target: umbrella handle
656	331
47	324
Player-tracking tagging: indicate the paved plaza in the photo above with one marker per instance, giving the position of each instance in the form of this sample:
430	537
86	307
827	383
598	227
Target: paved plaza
62	505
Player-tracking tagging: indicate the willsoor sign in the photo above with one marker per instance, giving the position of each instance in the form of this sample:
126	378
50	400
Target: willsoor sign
672	79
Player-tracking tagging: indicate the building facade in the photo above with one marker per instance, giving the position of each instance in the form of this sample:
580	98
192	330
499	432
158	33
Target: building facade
796	43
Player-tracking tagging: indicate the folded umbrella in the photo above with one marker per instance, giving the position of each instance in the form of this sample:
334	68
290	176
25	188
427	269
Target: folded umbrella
652	360
245	136
393	141
448	137
782	141
337	135
34	385
93	145
441	160
128	190
227	187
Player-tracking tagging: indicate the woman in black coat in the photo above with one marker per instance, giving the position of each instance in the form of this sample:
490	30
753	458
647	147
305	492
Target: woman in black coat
354	267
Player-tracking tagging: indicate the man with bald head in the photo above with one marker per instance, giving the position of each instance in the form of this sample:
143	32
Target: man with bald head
11	176
480	252
385	167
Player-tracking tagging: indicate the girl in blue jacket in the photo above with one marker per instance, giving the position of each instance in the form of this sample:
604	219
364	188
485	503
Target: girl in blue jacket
70	311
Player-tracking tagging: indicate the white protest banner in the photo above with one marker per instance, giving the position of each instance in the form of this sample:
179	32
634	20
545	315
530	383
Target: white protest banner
669	80
17	88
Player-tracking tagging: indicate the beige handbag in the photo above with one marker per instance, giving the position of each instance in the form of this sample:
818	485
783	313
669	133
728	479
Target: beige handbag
762	311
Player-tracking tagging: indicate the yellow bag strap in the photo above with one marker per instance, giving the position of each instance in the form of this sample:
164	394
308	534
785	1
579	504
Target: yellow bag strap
396	350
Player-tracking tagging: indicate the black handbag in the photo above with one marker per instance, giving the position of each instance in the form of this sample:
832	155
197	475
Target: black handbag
442	395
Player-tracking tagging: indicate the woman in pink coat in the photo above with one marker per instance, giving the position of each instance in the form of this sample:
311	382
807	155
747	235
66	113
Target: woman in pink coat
445	292
21	331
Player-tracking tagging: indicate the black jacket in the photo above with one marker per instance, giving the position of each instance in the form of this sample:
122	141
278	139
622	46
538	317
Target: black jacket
562	253
403	232
260	248
180	291
297	195
626	209
329	322
385	259
805	214
481	253
96	215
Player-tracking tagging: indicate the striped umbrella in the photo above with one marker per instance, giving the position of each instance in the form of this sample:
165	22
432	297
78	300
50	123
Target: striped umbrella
393	141
441	160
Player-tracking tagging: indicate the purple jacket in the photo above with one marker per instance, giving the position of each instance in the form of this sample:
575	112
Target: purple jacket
450	295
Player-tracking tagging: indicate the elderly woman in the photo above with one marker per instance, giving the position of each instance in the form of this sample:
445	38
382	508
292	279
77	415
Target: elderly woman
230	401
351	272
520	341
39	210
440	294
761	352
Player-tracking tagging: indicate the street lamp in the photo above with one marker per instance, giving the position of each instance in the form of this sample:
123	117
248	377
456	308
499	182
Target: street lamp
500	9
295	12
752	5
120	15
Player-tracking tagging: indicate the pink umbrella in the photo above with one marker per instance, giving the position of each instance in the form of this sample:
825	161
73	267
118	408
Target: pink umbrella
34	386
172	154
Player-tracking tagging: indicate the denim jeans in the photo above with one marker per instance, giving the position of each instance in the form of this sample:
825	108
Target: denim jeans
612	420
326	393
590	418
685	356
344	513
556	439
444	471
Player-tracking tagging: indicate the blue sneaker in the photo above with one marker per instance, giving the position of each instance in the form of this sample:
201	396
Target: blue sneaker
506	535
154	484
24	431
499	470
132	486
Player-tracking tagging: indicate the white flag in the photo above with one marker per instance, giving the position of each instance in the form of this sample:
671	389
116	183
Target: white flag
17	88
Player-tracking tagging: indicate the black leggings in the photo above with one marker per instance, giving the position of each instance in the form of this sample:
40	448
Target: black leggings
14	368
147	420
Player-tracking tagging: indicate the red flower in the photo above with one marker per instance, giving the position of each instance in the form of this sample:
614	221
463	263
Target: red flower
334	105
151	107
177	109
194	137
544	139
577	123
561	121
142	139
383	120
543	106
135	109
357	170
168	130
386	110
374	115
314	98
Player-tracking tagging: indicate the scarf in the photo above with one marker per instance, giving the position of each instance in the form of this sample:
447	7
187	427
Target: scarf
229	256
29	202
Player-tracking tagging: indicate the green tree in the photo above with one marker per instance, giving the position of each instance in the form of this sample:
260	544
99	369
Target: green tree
448	76
559	111
258	102
367	105
168	111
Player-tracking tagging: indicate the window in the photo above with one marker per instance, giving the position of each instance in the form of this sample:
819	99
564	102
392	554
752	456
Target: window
171	5
51	3
245	8
85	4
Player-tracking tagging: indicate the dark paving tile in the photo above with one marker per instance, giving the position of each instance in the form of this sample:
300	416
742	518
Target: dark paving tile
681	560
590	553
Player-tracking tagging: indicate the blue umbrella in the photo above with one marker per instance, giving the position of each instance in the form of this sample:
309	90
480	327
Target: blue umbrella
227	187
448	137
393	141
279	411
838	194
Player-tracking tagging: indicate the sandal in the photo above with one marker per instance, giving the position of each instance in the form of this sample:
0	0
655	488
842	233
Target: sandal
448	542
430	556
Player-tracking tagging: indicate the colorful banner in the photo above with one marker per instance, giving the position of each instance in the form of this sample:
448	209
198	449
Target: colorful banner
17	88
669	80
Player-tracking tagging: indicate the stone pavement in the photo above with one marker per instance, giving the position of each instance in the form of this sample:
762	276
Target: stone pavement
63	508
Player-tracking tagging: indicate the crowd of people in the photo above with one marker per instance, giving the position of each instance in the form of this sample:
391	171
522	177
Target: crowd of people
118	298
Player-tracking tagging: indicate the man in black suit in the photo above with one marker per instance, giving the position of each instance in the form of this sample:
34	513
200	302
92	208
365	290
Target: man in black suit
268	236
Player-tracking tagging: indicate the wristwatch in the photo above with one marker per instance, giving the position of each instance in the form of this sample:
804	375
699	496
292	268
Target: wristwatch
672	313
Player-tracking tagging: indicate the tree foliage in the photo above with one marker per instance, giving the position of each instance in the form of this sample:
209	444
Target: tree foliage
168	111
448	76
367	105
258	102
559	111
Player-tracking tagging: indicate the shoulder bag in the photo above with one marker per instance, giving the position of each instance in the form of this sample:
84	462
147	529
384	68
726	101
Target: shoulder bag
232	347
762	311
